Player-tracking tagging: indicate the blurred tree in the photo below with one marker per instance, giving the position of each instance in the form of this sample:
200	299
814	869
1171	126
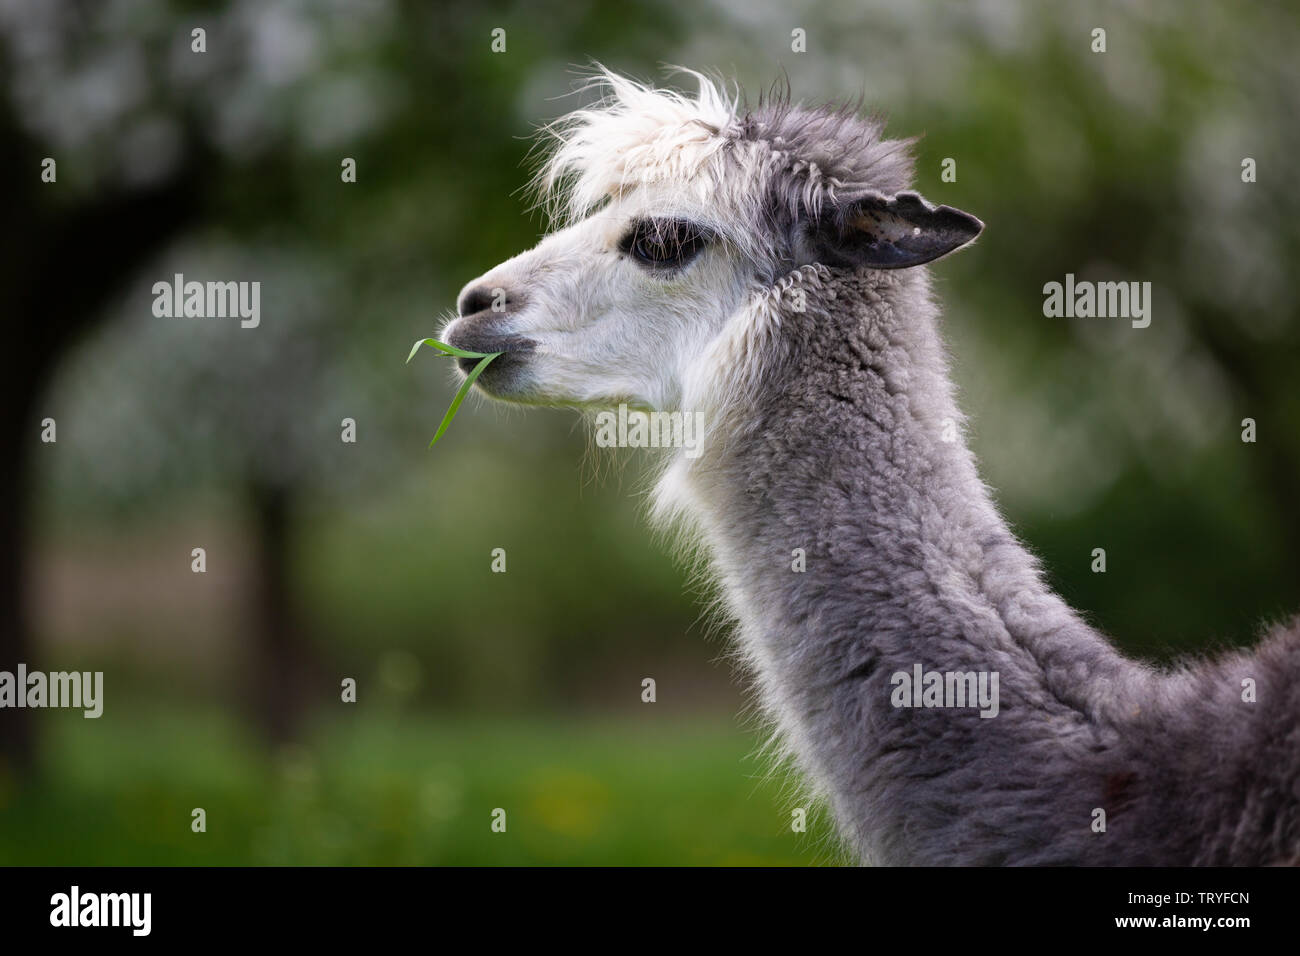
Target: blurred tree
64	264
238	148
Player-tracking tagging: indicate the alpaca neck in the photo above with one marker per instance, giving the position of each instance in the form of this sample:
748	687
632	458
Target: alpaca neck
854	541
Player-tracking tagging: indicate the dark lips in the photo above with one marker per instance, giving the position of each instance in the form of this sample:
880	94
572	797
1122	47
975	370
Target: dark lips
509	347
483	332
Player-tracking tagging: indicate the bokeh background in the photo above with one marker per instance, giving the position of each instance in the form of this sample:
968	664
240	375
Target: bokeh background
328	560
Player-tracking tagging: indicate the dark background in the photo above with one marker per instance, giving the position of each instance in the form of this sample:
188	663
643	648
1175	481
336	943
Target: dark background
371	560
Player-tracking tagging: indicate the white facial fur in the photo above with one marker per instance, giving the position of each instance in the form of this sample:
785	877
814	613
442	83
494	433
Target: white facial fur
606	327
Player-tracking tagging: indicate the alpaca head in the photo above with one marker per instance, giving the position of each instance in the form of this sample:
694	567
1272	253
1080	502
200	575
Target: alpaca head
676	215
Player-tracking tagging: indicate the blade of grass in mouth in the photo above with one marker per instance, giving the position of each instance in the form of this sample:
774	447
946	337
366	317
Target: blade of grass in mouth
485	359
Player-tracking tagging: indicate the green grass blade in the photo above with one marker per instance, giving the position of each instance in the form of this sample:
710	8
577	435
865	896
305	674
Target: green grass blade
464	390
416	347
450	350
446	349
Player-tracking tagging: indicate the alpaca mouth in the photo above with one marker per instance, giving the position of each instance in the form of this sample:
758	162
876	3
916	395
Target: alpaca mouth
475	333
511	347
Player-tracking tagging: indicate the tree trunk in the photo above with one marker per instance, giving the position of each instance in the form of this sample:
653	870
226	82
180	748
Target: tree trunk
280	651
17	732
65	265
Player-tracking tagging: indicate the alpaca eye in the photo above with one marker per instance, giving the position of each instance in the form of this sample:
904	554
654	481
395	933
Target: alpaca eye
664	243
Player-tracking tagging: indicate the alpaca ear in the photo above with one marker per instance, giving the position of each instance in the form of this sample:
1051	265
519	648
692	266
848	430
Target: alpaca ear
894	232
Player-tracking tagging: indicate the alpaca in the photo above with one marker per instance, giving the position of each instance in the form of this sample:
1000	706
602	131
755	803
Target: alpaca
766	267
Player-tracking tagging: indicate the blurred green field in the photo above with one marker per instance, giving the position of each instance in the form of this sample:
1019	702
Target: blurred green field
419	791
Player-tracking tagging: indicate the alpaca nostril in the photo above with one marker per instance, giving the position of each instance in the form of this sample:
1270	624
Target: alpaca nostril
480	298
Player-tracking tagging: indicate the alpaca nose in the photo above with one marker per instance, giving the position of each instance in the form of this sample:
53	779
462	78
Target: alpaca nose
480	298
